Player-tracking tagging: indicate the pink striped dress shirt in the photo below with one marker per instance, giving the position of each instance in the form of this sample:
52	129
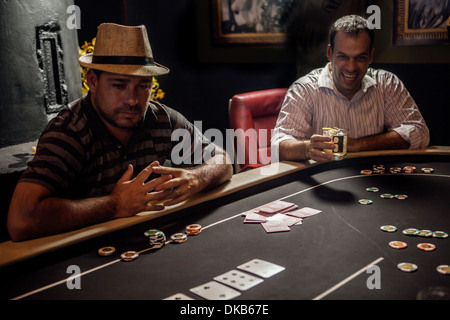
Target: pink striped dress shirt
382	104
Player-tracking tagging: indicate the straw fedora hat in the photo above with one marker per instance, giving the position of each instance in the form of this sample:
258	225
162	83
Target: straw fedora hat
123	50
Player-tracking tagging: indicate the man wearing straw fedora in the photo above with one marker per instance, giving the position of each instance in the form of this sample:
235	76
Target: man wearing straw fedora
103	157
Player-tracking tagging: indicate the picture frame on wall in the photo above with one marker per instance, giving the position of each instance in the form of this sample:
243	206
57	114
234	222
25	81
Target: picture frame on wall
421	22
251	22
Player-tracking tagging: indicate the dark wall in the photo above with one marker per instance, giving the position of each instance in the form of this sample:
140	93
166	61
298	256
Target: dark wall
25	66
429	85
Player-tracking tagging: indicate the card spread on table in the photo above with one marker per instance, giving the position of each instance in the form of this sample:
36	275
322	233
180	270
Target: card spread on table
278	216
223	286
261	268
215	291
238	280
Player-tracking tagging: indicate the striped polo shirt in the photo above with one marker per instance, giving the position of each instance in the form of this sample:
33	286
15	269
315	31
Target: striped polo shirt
382	104
76	157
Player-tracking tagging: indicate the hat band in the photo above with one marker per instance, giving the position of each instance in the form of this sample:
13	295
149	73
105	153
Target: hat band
144	61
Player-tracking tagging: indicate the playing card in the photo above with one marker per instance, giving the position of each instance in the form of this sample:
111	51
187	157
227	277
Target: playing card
178	296
276	206
261	268
275	226
284	218
303	212
253	217
238	280
215	291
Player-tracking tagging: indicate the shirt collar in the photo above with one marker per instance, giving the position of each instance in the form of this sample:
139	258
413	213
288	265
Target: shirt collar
326	81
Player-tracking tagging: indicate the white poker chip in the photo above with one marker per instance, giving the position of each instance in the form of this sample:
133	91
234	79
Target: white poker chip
407	267
178	237
129	255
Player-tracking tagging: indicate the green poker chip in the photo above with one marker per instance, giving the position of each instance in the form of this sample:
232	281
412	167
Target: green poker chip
388	228
386	196
372	189
365	201
440	234
411	231
425	233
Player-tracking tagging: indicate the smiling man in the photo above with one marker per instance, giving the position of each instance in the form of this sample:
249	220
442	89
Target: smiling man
102	157
373	106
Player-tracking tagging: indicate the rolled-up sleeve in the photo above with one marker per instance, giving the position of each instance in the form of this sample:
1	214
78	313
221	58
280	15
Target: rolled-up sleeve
401	112
295	117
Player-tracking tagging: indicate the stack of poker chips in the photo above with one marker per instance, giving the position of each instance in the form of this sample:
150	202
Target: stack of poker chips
178	238
409	169
378	168
193	229
395	170
157	238
129	255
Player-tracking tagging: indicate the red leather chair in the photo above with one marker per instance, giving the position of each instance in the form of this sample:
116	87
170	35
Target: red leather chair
256	114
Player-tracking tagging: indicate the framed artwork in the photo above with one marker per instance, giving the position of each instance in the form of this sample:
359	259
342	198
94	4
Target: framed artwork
251	22
421	22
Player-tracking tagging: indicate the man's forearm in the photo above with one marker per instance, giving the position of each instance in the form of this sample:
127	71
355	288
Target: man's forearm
29	219
295	150
385	141
215	171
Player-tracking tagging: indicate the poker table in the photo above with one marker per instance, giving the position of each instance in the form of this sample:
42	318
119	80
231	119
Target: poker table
339	253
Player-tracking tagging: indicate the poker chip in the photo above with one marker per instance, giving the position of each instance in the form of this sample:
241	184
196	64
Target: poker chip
409	169
443	269
366	172
388	228
386	196
425	233
157	239
411	231
106	251
372	189
151	232
401	196
365	201
398	244
193	229
378	168
427	170
178	237
395	170
426	246
440	234
129	255
407	267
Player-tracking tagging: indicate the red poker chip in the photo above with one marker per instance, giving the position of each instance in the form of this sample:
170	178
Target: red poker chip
193	229
398	244
409	169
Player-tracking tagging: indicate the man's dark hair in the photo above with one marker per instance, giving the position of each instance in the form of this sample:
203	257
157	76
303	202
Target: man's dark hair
351	24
